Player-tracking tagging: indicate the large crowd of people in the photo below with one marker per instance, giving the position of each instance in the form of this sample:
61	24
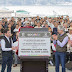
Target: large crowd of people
54	24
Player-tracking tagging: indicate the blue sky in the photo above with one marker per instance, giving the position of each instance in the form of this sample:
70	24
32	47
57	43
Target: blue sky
30	2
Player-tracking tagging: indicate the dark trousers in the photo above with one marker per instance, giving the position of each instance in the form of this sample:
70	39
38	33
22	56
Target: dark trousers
68	56
60	57
7	60
54	58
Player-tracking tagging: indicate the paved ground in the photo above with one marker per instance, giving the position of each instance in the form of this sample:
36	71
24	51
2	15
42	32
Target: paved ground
51	69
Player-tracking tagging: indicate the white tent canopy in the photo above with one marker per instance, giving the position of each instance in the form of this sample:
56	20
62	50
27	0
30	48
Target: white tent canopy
6	13
22	13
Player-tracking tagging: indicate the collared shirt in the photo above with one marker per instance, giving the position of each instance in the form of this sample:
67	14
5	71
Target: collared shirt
16	30
70	36
37	27
51	25
61	44
3	45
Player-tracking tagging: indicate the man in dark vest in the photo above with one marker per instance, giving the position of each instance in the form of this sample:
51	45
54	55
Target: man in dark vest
61	47
7	54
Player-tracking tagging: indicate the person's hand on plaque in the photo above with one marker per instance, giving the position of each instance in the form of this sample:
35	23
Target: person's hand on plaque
13	48
16	47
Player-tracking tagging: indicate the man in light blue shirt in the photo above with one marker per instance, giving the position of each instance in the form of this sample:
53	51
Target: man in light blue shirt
61	47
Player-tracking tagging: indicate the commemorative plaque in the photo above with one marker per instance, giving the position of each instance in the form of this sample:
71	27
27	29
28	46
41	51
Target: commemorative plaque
34	49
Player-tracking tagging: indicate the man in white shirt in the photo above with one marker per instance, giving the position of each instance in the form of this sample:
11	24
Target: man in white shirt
38	25
7	54
17	28
50	23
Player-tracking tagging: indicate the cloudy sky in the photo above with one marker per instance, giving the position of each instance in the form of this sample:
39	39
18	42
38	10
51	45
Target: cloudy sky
30	2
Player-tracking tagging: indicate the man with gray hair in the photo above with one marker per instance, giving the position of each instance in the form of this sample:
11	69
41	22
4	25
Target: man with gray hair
61	47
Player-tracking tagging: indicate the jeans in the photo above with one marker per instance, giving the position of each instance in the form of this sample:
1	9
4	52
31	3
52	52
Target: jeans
7	60
60	57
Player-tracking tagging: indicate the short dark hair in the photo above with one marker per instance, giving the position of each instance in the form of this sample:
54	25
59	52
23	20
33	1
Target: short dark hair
24	18
2	18
49	17
2	30
11	21
6	30
16	24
